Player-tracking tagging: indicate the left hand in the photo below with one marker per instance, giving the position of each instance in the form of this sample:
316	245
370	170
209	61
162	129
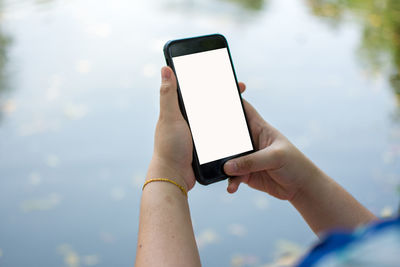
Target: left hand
173	146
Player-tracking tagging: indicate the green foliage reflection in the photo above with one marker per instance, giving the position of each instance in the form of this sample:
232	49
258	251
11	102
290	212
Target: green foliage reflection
380	19
249	4
4	43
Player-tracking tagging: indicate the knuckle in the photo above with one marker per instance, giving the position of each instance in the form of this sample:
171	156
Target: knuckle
165	88
245	164
279	154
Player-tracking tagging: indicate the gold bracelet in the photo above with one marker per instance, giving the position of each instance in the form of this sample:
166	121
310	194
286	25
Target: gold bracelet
166	180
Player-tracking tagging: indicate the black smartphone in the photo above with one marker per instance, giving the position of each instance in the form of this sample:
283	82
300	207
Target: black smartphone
210	101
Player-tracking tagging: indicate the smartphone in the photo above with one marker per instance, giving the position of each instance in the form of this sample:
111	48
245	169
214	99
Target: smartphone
210	101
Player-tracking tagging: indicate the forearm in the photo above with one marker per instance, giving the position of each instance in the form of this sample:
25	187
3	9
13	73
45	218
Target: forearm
325	205
166	235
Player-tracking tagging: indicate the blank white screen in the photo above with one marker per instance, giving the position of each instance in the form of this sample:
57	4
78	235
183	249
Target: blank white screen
212	104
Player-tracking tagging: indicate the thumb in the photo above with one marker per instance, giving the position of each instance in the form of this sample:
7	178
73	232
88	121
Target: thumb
169	107
257	161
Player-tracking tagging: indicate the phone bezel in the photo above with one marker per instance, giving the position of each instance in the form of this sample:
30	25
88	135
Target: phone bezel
210	172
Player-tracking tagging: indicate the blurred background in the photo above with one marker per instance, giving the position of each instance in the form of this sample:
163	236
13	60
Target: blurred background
79	85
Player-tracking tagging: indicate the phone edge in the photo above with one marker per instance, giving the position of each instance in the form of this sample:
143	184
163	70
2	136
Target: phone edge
196	167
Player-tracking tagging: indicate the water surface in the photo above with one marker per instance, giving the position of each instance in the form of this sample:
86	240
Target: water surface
79	102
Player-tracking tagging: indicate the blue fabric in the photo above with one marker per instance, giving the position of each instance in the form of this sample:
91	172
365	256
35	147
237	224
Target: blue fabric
375	243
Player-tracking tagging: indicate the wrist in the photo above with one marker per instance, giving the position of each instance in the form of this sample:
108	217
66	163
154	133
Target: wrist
310	184
159	168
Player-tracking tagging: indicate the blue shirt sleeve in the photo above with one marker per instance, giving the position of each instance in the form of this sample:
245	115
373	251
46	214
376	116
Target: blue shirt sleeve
377	244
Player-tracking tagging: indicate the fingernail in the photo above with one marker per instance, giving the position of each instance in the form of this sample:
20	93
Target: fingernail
231	166
165	74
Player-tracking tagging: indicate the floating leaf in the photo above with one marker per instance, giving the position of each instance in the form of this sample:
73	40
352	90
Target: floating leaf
118	193
35	178
75	111
53	91
83	66
40	204
64	248
239	260
36	126
287	254
107	237
237	230
71	258
261	202
91	260
52	161
149	70
138	180
207	237
9	106
387	211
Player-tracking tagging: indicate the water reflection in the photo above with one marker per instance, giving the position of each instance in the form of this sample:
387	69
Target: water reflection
250	4
213	12
81	133
380	44
380	21
5	40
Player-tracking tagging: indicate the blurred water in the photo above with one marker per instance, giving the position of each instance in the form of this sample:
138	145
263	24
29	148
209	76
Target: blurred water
79	101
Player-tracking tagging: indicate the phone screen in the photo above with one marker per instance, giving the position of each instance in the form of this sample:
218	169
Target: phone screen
212	104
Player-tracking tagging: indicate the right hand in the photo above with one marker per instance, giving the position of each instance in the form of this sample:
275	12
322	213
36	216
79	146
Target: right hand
277	167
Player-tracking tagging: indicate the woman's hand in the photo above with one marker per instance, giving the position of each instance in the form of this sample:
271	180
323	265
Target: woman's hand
281	170
173	148
277	167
